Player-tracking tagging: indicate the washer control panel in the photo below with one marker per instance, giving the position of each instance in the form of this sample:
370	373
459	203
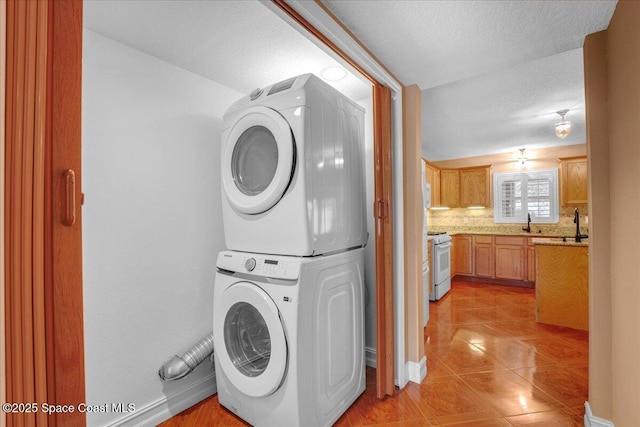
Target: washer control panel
260	265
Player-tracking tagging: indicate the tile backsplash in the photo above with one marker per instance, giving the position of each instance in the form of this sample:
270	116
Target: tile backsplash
481	221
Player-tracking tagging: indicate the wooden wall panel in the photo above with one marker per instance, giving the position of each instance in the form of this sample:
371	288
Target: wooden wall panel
562	286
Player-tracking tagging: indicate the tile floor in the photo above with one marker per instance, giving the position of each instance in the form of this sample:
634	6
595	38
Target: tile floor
489	364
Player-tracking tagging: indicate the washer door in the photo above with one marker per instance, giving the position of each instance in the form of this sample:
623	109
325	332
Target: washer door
257	160
249	339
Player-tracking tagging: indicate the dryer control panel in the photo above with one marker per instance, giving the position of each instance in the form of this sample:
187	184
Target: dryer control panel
275	266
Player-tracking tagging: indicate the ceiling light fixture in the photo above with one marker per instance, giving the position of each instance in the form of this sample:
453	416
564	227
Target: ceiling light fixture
563	127
522	159
334	73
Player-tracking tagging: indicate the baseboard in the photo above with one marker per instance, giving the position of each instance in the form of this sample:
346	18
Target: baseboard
416	372
165	408
591	420
370	357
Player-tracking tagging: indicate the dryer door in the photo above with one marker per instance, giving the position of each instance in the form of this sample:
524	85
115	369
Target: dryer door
257	160
249	339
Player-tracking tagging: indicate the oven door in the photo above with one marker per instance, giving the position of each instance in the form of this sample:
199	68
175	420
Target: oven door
441	262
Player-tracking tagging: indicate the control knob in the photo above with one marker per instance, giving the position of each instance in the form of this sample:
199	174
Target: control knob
250	264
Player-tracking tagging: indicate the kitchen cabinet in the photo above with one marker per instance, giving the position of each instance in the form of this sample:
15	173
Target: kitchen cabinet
511	258
573	181
562	285
483	265
475	186
463	255
433	178
508	259
450	188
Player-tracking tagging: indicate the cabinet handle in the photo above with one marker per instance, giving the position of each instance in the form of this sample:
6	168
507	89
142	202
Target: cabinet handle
70	197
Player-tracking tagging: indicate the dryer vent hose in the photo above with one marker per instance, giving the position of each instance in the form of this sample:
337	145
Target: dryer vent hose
181	366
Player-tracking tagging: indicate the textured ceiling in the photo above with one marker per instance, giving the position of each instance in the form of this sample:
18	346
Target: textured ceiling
493	73
432	43
240	44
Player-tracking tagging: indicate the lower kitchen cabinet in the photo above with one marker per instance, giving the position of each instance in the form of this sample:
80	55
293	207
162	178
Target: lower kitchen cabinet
510	258
463	262
483	256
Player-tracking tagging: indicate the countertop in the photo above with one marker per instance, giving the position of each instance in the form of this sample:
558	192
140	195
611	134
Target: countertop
536	238
559	242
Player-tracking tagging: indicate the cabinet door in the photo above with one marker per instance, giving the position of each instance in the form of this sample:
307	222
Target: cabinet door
463	255
450	188
475	186
510	262
433	178
511	258
483	256
573	181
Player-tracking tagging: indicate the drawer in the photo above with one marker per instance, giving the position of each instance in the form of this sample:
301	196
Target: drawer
510	240
483	239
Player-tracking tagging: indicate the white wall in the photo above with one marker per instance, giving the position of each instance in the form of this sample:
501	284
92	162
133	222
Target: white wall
152	223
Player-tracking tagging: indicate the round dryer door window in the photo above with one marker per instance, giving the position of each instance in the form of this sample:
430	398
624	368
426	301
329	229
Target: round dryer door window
257	160
249	339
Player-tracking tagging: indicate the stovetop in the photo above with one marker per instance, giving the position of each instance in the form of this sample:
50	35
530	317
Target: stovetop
438	237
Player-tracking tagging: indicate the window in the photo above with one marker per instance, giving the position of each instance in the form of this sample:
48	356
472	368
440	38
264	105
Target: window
533	192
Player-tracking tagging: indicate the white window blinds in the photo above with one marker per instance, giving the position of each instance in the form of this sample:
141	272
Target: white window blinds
533	192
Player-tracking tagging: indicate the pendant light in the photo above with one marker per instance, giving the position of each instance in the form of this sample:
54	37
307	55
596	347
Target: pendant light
563	127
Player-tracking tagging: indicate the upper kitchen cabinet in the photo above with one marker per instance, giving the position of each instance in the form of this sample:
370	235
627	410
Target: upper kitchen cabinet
450	188
433	178
573	180
475	186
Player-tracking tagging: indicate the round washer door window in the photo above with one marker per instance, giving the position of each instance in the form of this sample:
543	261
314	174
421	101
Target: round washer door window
254	160
249	339
257	160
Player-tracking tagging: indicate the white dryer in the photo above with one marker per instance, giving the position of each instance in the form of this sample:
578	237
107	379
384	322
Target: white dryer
293	170
289	336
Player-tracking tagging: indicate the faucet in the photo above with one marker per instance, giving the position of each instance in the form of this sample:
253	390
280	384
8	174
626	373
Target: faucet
528	227
576	221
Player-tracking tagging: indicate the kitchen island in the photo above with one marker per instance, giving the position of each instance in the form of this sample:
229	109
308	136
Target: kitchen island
562	283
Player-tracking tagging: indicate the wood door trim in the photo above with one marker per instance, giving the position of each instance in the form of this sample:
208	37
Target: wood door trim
293	14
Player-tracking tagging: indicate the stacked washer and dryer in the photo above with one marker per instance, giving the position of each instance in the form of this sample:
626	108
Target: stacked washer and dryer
288	310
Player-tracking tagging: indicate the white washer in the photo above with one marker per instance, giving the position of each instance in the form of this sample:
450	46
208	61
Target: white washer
289	336
293	170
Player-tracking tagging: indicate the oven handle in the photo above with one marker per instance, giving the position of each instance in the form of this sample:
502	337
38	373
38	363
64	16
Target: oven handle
442	246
